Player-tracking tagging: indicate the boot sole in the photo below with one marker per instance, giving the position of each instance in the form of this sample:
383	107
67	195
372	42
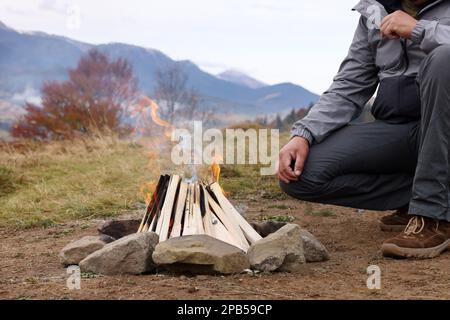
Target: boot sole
392	227
394	251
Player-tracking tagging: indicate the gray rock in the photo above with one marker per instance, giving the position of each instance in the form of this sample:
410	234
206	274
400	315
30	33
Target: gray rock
200	254
106	239
119	228
282	251
129	255
267	227
313	249
77	250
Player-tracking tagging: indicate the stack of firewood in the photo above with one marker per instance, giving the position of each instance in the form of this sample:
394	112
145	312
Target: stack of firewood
180	208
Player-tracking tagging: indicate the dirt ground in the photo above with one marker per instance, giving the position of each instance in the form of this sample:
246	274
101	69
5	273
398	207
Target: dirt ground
31	270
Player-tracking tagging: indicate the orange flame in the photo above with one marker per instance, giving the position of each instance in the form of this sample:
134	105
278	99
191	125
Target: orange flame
215	171
147	102
148	110
147	190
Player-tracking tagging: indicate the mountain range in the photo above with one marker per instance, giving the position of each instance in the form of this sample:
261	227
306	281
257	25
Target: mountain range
27	59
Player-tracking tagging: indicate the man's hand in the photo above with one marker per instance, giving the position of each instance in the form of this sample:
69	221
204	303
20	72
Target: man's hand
398	25
296	150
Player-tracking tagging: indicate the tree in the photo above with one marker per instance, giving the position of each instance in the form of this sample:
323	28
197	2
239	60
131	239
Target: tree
262	121
93	99
290	118
176	100
279	123
301	113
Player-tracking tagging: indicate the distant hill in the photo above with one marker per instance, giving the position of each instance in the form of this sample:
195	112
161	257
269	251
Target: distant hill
240	78
28	59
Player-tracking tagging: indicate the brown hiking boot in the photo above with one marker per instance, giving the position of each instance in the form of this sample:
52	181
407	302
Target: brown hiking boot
395	222
422	238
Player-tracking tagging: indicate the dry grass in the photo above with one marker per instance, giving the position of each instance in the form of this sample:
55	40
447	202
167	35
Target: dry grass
245	181
46	184
4	135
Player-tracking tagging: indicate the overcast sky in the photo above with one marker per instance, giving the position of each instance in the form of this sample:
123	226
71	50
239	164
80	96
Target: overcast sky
275	41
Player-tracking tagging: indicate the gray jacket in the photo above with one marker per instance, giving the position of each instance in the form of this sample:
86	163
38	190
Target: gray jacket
374	61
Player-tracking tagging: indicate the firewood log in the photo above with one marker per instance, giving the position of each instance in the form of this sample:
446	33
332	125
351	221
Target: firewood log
162	227
197	214
154	218
251	235
189	228
221	233
151	204
206	213
179	211
230	224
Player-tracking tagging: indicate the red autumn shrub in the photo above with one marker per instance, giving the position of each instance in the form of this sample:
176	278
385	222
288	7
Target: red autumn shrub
92	100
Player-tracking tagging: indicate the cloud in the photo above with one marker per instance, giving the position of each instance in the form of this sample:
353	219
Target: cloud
19	7
273	7
53	6
29	94
31	7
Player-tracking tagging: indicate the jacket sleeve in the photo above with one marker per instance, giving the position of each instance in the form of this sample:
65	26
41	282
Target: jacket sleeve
352	87
430	35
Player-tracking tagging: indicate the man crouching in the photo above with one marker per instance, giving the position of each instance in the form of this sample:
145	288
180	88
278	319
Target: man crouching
400	161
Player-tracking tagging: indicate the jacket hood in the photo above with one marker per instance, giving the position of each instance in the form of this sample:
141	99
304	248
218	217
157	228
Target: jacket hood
391	5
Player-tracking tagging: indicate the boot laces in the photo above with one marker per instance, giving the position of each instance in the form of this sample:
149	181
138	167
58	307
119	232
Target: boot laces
415	225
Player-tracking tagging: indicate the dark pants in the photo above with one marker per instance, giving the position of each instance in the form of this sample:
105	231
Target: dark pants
384	166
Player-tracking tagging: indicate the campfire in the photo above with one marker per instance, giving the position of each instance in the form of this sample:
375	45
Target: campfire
180	208
189	225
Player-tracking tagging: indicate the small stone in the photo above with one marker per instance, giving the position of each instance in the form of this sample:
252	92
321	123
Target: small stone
313	249
106	239
251	272
193	289
77	250
282	251
119	228
200	254
267	227
129	255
